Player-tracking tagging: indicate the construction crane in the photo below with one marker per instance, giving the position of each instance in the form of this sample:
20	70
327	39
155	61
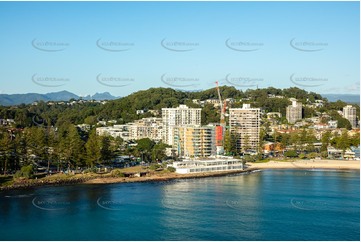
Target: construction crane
222	128
222	122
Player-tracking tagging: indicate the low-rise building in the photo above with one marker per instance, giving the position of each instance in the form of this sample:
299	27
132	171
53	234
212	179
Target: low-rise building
115	131
154	112
143	128
320	126
6	122
271	115
113	121
102	122
229	100
141	111
333	153
349	155
268	147
207	165
151	128
275	96
196	101
314	119
84	127
332	124
213	101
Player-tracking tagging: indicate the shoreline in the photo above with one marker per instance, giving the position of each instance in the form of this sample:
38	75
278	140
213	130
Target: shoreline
166	177
107	179
308	164
341	165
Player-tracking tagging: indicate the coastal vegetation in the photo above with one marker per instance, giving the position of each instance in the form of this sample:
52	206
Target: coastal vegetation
48	138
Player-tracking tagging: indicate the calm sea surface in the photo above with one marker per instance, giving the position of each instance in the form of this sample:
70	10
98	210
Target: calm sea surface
267	205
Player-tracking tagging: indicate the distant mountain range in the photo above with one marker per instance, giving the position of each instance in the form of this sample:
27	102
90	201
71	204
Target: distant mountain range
348	98
16	99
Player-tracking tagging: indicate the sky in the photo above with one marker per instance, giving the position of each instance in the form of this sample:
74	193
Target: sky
124	47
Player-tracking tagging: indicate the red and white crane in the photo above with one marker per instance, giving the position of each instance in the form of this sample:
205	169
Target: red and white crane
220	130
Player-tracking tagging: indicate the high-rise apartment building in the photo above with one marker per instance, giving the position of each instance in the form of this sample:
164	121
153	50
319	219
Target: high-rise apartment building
294	112
349	113
245	127
179	116
194	140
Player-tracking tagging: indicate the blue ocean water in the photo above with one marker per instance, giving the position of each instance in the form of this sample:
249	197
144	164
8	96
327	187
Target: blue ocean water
267	205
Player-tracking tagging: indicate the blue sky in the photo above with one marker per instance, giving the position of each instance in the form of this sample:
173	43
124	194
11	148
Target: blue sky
123	47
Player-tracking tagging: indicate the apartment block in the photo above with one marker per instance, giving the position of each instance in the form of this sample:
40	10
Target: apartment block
146	128
245	126
195	140
179	116
115	131
349	113
151	128
294	112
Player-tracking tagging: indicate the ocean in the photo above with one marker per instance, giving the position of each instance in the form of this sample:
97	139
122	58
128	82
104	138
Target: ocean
266	205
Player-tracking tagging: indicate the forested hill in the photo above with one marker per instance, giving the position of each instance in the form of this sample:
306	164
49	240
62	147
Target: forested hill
124	109
157	98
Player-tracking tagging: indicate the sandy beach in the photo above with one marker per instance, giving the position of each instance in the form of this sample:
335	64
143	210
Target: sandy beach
308	164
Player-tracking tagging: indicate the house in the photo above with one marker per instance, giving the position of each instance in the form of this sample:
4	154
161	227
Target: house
6	122
196	101
333	153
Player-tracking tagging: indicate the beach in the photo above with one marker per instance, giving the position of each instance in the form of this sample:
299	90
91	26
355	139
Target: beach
308	164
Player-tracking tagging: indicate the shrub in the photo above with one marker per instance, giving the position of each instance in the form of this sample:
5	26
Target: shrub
249	158
324	154
302	156
117	173
154	166
90	170
26	171
17	174
171	169
312	155
290	153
